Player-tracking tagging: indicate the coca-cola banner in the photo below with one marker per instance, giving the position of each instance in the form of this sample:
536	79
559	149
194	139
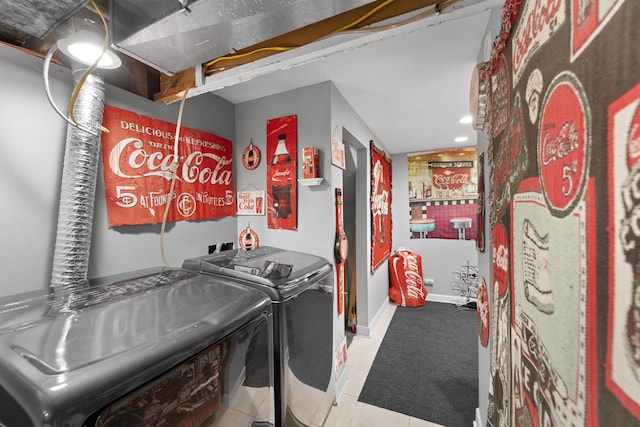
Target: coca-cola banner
380	206
282	146
443	194
138	153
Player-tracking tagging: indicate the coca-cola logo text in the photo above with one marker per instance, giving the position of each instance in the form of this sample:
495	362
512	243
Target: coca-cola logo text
501	258
380	203
413	279
281	175
537	25
565	143
198	166
457	180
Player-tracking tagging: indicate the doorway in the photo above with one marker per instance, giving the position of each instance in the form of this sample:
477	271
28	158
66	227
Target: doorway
354	195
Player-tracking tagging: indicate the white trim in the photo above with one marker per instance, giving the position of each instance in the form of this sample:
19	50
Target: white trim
449	299
367	330
478	421
341	384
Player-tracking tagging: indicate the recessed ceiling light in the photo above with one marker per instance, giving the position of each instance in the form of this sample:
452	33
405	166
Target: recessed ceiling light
461	139
465	120
85	48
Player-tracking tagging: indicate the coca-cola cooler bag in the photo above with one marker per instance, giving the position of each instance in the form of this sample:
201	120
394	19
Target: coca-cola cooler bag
405	279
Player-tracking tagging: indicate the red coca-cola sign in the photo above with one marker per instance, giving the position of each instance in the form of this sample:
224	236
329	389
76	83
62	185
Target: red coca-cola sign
482	309
281	153
450	180
500	259
450	175
139	155
564	141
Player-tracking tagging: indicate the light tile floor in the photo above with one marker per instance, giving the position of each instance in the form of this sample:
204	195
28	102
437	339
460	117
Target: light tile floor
351	413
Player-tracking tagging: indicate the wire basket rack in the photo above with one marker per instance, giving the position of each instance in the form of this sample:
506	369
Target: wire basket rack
464	283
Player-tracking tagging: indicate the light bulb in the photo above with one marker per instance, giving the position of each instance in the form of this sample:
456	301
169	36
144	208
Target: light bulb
85	48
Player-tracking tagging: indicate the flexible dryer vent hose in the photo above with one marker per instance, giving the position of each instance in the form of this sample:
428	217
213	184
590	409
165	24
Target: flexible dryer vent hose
77	193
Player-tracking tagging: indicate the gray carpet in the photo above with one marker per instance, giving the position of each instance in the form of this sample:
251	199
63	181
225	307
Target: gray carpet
427	365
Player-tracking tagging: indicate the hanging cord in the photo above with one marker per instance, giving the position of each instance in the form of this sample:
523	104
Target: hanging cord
45	76
174	169
437	10
89	70
47	88
365	16
242	55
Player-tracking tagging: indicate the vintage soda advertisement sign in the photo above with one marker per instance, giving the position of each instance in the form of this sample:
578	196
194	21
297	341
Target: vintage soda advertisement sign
380	206
282	143
139	155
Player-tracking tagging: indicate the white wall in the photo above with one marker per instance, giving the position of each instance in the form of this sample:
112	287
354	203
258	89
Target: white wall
440	257
32	140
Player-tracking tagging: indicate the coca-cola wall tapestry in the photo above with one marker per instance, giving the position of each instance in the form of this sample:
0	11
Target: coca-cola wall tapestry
564	203
137	155
282	148
443	194
380	206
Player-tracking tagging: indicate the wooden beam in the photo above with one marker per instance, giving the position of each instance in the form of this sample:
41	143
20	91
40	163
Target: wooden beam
172	87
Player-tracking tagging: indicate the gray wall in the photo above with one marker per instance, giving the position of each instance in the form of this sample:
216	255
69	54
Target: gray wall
373	288
321	112
32	146
315	206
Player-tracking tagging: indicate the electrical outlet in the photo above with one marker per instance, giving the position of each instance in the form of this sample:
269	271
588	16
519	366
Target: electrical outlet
428	281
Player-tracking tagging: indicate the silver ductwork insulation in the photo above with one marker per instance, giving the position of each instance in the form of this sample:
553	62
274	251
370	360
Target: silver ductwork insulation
38	17
77	193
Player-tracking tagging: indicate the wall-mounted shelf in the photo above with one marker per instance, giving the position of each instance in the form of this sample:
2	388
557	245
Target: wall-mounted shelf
310	181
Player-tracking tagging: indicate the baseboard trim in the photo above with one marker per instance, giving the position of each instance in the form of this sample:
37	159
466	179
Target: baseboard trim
341	384
478	420
366	330
449	299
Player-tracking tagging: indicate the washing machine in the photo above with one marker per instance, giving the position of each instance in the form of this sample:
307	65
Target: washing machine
155	347
301	288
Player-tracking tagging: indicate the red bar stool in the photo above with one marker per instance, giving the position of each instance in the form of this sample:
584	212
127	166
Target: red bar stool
461	224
